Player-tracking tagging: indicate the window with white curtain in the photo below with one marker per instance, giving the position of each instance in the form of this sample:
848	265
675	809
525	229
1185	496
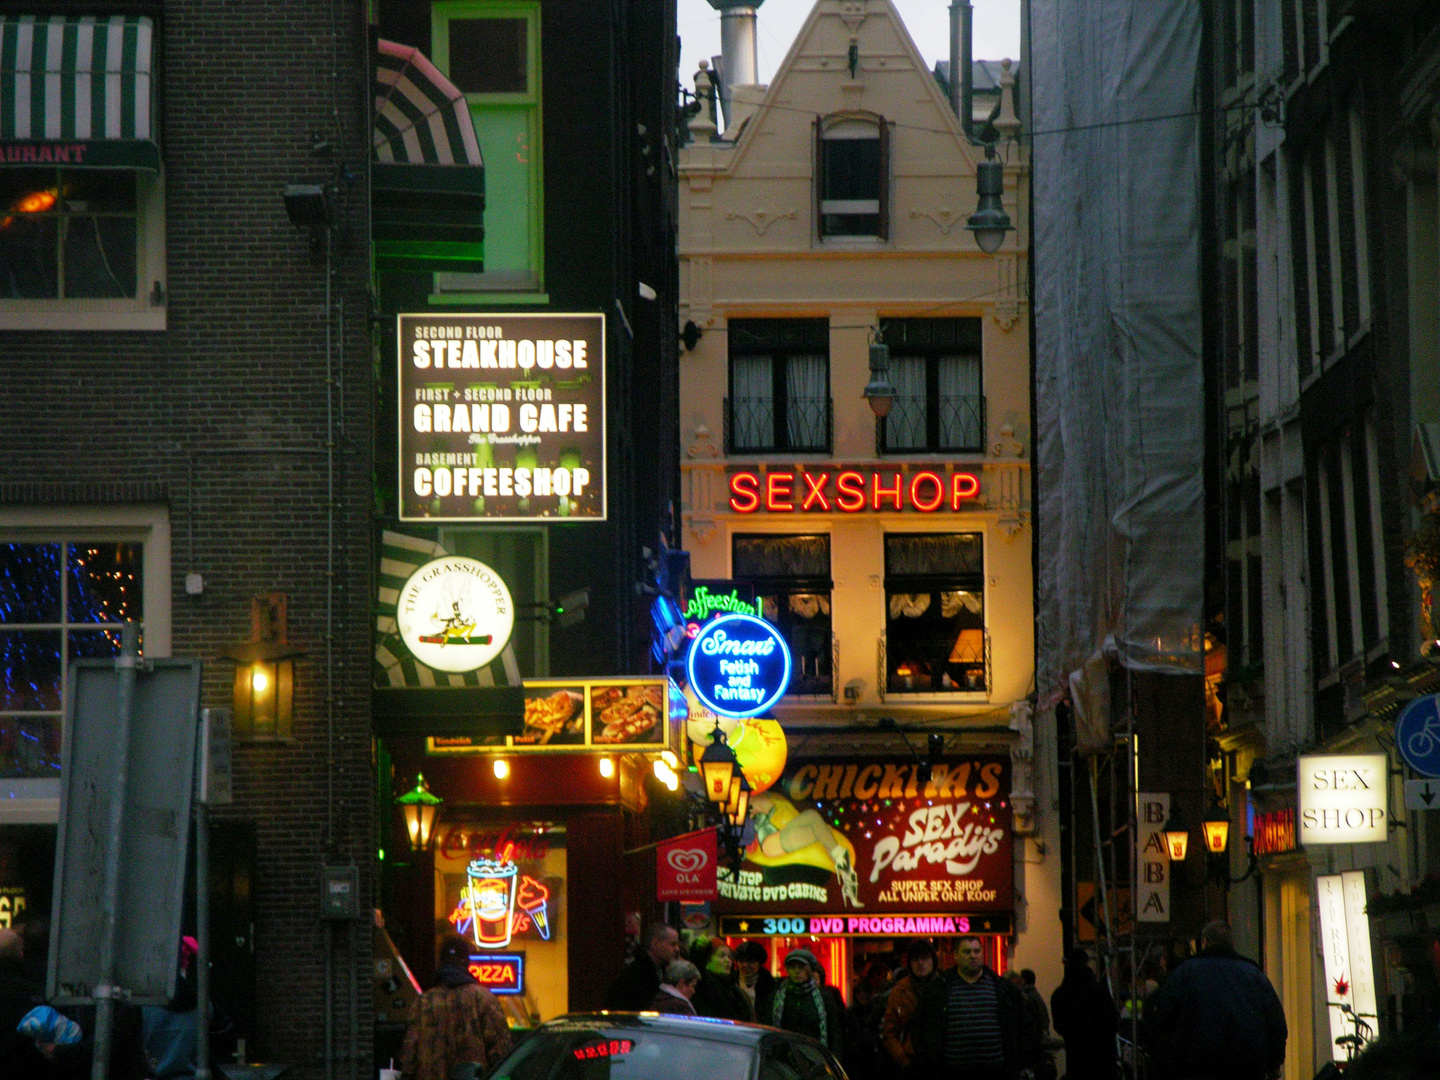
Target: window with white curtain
939	402
779	386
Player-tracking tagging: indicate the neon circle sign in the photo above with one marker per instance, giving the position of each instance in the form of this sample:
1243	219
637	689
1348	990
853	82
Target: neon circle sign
738	666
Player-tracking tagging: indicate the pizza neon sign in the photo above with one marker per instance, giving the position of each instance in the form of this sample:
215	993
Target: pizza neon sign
850	492
500	973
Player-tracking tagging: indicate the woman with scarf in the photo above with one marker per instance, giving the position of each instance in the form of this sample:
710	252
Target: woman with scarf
804	1004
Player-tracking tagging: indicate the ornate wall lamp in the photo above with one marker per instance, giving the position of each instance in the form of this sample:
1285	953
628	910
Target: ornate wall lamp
265	673
422	812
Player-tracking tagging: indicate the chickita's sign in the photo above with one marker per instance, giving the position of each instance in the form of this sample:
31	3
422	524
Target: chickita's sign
502	417
870	837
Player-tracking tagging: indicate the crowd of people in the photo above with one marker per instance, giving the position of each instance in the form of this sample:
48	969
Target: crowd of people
927	1015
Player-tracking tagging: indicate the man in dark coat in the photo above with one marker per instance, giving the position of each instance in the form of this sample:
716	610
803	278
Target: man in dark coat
803	1003
1085	1017
971	1023
1216	1016
634	989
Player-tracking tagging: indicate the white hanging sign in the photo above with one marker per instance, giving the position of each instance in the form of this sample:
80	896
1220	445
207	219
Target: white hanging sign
1152	895
455	614
1343	799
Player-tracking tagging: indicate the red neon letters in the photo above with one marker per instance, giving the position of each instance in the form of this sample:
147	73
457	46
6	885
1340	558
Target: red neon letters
851	491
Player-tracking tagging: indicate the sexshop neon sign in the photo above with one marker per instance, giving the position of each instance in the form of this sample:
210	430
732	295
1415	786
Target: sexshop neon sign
850	492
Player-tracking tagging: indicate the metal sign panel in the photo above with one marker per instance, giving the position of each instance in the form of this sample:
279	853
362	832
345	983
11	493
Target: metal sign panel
502	417
155	834
1422	794
1417	735
1152	895
215	757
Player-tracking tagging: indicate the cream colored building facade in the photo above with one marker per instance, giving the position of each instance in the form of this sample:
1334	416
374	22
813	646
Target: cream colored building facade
787	275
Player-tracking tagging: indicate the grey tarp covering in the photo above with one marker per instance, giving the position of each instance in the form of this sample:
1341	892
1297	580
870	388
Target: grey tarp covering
1117	347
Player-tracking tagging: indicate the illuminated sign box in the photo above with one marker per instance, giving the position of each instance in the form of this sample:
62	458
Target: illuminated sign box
851	491
874	839
738	666
500	973
600	716
1343	799
502	417
863	925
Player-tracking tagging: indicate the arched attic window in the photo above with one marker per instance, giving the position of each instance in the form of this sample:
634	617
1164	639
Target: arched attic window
852	176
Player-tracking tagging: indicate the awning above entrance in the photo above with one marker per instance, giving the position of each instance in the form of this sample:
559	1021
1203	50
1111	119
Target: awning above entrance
421	117
77	92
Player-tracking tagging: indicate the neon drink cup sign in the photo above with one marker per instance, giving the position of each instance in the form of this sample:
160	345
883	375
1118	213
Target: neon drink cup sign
738	666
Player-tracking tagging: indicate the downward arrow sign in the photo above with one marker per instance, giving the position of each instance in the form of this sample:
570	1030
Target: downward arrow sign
1428	795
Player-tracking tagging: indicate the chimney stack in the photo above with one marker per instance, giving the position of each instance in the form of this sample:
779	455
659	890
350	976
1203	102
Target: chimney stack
740	63
961	24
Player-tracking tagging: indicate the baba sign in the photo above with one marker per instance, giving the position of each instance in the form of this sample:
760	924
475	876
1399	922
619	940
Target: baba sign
738	666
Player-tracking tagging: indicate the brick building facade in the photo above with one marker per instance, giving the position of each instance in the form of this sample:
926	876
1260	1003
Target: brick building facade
231	437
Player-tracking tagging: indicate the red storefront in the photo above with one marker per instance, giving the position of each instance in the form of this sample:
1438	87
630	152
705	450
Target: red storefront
850	854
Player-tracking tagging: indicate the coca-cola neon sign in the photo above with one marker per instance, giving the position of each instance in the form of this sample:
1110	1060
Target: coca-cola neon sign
850	492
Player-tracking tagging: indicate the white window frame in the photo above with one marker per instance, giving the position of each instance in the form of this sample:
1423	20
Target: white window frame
139	312
36	800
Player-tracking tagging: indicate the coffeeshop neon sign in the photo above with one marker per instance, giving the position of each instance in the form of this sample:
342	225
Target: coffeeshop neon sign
850	492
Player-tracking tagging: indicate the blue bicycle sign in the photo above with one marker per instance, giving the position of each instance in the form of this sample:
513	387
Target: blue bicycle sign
1417	735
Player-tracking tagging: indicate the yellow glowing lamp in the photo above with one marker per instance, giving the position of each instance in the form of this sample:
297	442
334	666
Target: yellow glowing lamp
737	807
607	767
717	767
1177	838
1217	830
264	694
421	809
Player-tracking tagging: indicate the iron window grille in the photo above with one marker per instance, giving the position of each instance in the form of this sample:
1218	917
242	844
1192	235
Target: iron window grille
779	387
935	365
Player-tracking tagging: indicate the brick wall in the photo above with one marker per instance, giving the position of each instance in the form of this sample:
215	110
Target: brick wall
225	417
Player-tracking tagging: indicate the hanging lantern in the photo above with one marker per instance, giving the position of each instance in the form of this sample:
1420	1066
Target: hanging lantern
1217	829
737	807
1177	838
717	767
422	809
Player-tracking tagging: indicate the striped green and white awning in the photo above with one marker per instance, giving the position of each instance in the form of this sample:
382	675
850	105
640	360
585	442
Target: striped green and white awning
77	91
421	117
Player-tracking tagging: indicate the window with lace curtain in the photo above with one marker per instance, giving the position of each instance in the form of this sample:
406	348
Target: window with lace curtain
791	575
939	397
935	613
779	386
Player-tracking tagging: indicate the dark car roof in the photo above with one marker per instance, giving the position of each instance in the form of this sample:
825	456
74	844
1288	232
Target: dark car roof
697	1027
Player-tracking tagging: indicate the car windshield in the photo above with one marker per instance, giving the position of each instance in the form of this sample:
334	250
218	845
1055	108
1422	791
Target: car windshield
634	1053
